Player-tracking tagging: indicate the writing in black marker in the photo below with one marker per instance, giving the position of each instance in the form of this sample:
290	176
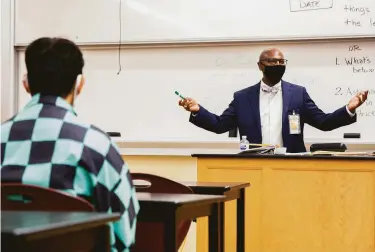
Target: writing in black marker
353	22
358	61
354	48
351	92
356	9
363	113
309	4
368	103
363	70
338	91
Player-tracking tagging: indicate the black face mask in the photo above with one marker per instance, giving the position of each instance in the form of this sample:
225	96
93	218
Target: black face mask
274	73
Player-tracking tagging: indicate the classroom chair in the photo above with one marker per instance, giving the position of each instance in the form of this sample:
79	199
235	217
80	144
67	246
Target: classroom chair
21	197
150	236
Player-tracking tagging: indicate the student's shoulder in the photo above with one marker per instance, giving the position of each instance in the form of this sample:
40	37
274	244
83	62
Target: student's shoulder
97	135
99	132
98	146
90	132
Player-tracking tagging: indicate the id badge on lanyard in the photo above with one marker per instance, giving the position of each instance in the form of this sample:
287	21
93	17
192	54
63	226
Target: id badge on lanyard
294	124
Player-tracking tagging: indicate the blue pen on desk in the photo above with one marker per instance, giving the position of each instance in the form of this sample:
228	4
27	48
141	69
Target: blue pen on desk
177	93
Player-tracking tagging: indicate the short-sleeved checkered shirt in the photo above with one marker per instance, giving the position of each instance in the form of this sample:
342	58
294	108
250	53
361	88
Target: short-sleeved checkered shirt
46	145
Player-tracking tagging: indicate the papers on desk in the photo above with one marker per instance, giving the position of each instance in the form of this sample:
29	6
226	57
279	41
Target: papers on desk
269	150
299	154
334	153
259	150
345	154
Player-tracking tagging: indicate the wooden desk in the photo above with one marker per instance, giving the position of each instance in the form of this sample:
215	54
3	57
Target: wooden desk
297	203
232	191
54	231
171	208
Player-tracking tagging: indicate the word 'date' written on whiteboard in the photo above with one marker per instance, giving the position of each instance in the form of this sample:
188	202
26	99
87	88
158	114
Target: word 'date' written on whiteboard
304	5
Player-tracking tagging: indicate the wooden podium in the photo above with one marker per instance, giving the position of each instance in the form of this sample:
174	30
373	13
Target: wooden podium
296	203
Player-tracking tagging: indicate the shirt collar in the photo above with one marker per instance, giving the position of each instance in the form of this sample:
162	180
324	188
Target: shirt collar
264	87
52	100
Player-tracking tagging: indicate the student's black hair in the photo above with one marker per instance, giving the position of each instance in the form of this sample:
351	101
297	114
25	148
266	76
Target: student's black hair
53	65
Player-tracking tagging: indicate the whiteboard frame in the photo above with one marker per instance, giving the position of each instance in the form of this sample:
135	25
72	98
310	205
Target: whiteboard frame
221	40
170	44
9	94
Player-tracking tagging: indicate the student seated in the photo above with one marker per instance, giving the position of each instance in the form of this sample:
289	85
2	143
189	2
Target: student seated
46	144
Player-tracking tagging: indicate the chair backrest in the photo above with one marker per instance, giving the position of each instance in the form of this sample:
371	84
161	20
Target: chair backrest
21	197
150	236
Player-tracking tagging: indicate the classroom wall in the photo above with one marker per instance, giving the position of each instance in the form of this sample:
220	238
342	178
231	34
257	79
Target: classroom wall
179	168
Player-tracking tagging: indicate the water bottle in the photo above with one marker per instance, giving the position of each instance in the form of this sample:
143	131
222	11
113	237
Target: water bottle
244	144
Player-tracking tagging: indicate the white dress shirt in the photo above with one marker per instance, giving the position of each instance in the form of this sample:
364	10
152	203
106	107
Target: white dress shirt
271	113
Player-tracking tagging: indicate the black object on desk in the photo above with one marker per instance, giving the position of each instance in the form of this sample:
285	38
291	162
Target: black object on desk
55	231
232	191
114	134
233	133
352	135
339	147
171	208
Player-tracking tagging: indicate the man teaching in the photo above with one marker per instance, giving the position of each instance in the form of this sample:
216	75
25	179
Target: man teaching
273	111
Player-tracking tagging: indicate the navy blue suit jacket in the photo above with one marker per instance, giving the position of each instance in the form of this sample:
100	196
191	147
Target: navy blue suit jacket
243	112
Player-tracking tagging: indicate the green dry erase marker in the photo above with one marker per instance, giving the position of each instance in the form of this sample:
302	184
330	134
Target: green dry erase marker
177	93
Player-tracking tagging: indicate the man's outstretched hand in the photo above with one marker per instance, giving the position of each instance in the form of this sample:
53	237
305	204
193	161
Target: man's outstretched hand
189	105
357	101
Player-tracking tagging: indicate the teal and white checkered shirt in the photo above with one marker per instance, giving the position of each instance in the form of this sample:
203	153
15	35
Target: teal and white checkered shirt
46	145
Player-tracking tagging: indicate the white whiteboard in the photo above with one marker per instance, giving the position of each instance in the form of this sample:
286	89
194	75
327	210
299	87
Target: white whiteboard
98	21
141	104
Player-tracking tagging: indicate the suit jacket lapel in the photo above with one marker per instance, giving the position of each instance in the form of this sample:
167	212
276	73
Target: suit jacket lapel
254	104
287	91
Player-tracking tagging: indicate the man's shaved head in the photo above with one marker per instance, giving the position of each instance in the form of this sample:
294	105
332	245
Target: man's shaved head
274	53
272	64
